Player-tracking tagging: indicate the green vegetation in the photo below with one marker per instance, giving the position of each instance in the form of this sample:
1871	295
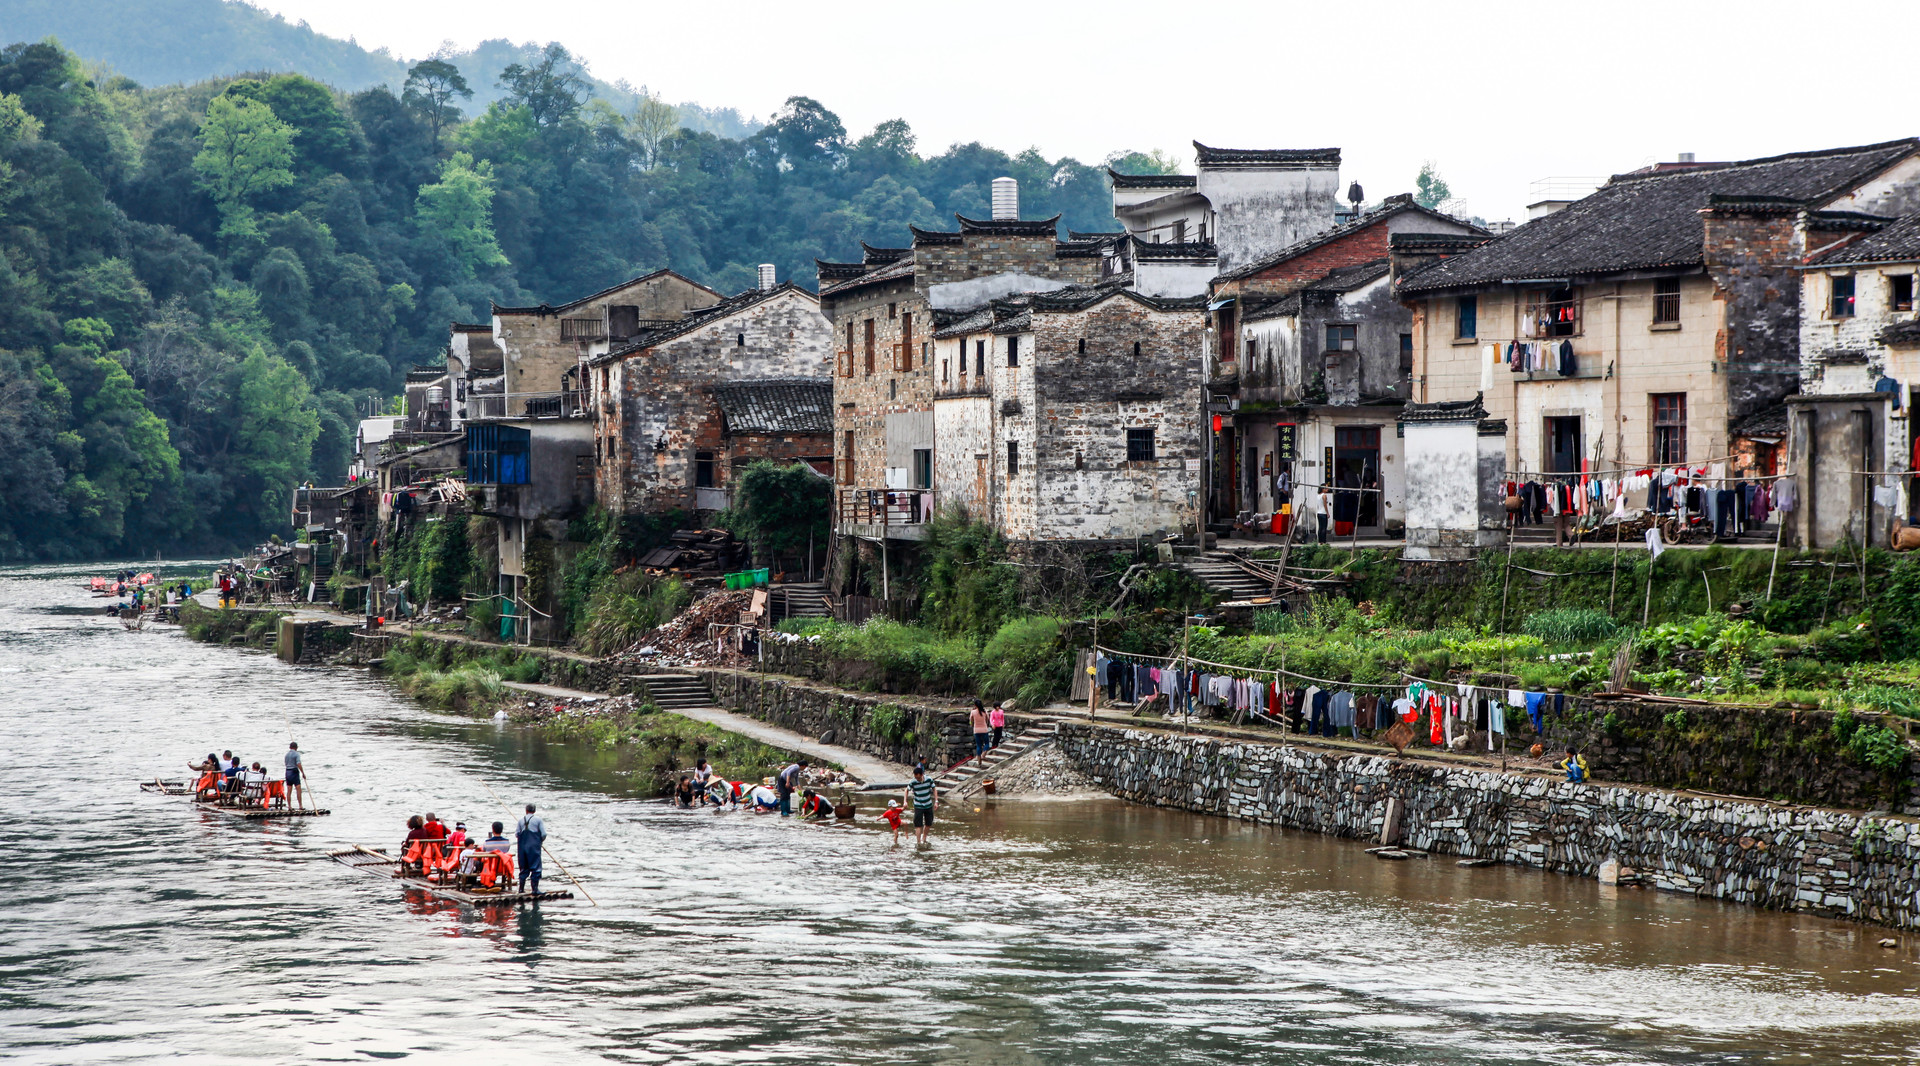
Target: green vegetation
780	508
205	286
424	668
656	746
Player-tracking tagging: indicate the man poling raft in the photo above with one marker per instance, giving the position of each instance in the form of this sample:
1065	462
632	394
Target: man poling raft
454	865
228	786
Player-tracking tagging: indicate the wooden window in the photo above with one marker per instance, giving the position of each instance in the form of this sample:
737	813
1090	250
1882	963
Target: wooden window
906	342
869	346
1253	349
1406	353
846	357
1666	301
1139	445
1900	292
1013	351
1179	231
1669	427
1013	457
1342	338
1841	305
1551	312
980	357
846	462
1466	318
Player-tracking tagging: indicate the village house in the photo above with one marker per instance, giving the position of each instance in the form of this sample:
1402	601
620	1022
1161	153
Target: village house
883	312
679	408
1859	379
541	348
1641	326
1312	364
1067	415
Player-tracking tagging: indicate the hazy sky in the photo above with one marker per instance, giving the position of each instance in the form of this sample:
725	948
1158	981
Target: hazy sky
1496	94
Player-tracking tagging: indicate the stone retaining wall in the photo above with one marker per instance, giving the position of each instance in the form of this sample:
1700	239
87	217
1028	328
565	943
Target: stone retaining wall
1826	862
941	735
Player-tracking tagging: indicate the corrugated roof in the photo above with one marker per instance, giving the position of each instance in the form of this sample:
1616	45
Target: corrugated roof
777	405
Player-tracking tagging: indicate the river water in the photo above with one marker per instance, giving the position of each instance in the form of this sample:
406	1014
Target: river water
137	929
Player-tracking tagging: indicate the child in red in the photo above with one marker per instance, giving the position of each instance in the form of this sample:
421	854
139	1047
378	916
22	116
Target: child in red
892	815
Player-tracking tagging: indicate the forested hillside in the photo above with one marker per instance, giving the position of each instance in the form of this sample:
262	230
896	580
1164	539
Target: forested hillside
166	42
203	287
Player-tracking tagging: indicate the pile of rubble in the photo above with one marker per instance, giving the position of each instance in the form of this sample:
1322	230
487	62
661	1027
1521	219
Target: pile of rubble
705	634
547	708
698	553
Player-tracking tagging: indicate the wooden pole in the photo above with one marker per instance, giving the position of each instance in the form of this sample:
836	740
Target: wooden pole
1614	582
1780	531
1646	609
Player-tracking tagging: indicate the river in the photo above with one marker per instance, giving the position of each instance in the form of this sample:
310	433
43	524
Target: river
1092	932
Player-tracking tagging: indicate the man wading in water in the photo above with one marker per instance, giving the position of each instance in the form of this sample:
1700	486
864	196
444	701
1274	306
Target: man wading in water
531	833
921	792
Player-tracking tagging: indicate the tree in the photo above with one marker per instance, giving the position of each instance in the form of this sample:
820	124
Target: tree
1430	189
273	441
432	86
244	151
654	120
780	506
1153	162
457	211
323	138
549	90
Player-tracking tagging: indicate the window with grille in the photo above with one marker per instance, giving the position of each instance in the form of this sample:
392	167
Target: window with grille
1139	445
1666	301
583	329
1669	427
1841	306
1466	317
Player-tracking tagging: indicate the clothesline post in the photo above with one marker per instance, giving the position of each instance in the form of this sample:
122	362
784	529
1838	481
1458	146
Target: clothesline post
1614	582
1779	532
1647	608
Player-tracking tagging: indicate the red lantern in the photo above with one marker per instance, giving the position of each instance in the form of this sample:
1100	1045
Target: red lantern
1216	423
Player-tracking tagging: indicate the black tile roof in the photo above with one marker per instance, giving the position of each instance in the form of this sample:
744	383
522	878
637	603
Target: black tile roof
1077	235
1437	243
1389	208
827	271
874	256
1339	280
1652	221
1175	250
549	309
1445	411
899	268
1901	335
1896	242
1011	227
700	319
471	327
960	323
932	236
777	405
1267	158
1149	181
1768	423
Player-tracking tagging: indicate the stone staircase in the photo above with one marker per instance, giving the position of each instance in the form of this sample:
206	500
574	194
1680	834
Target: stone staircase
962	777
1219	572
672	691
798	599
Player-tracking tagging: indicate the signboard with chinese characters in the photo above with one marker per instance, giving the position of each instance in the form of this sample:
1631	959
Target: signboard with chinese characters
1286	441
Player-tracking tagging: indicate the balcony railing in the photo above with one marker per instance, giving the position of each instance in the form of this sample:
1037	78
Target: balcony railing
569	404
885	507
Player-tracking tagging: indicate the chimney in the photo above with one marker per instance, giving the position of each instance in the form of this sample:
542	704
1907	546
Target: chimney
1686	157
766	277
1006	199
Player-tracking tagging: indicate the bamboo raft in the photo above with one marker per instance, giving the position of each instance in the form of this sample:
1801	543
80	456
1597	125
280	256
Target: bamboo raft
254	814
166	788
380	864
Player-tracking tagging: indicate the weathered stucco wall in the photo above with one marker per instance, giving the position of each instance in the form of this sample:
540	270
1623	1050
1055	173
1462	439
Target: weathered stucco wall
1824	862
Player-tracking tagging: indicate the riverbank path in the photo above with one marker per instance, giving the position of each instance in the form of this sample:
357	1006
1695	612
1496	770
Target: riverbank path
870	770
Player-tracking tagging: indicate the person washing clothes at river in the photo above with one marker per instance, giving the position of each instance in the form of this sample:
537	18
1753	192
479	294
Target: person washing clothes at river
786	781
982	729
531	835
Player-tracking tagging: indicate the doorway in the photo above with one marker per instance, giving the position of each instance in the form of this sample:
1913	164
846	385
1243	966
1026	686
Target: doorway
1563	444
1356	466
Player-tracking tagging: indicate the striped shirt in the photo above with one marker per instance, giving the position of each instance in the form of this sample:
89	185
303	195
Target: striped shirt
922	792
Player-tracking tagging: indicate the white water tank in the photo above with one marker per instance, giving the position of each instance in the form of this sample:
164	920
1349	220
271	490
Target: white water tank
766	277
1006	198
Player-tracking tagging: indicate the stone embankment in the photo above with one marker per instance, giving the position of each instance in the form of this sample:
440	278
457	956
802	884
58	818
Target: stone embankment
1826	862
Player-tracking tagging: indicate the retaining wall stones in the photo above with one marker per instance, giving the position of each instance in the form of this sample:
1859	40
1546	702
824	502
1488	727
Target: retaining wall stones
941	735
1826	862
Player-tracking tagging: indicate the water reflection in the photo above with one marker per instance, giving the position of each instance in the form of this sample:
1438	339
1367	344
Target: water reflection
1043	933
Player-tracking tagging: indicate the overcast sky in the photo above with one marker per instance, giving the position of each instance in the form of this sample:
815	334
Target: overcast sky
1497	95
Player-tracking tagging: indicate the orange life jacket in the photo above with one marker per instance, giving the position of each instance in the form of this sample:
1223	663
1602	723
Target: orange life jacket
495	866
425	853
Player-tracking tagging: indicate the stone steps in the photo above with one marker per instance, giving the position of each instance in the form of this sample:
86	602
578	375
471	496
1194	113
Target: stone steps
1218	571
975	769
668	691
799	599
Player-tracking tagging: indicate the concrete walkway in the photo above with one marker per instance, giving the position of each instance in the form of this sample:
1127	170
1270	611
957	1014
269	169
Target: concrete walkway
867	768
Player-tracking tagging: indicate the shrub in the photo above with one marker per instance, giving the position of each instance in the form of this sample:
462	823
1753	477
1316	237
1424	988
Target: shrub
1570	625
1878	747
625	606
889	722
